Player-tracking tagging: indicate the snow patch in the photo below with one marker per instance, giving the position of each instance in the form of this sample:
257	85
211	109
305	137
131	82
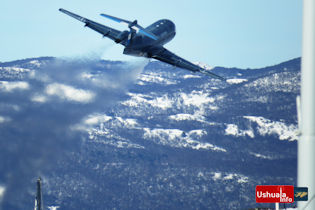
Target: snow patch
103	135
179	138
10	86
155	78
233	130
167	134
2	191
196	98
236	81
69	93
35	63
199	99
39	98
14	69
182	117
261	156
261	99
188	76
4	119
216	176
105	129
242	179
283	81
108	137
198	133
268	127
163	102
203	65
127	123
53	207
135	100
102	120
95	119
230	176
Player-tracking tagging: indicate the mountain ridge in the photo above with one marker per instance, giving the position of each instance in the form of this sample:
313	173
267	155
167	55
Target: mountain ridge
135	136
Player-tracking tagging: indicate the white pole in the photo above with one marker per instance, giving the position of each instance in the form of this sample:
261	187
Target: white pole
306	143
277	206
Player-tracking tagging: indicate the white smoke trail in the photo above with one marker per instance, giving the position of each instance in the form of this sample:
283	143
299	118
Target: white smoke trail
38	135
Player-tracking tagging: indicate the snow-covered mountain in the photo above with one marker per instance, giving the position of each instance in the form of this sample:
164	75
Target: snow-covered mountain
114	135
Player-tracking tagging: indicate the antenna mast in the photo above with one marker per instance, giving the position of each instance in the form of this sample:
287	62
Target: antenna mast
38	198
306	143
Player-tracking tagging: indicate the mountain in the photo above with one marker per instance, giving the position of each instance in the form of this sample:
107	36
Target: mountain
116	135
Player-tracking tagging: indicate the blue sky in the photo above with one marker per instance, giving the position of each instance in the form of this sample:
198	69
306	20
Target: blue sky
230	33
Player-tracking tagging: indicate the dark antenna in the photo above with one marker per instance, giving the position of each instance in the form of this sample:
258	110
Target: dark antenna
38	198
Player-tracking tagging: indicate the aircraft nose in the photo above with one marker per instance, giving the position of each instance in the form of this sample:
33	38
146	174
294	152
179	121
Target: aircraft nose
170	25
173	26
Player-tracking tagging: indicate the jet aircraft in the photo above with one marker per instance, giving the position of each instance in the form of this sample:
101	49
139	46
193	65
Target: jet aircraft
145	42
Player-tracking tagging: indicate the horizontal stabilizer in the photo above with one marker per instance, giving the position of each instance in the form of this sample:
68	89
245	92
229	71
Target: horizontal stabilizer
134	25
118	20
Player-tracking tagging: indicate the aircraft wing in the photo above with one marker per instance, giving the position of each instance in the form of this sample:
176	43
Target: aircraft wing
104	30
167	56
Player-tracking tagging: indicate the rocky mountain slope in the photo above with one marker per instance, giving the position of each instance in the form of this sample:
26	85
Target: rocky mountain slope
114	135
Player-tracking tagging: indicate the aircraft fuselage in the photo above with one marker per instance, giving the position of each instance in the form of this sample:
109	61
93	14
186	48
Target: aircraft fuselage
143	46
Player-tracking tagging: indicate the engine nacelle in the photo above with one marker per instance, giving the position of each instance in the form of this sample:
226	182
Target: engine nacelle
122	36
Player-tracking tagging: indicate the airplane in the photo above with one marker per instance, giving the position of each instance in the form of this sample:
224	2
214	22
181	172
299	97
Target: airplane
144	42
